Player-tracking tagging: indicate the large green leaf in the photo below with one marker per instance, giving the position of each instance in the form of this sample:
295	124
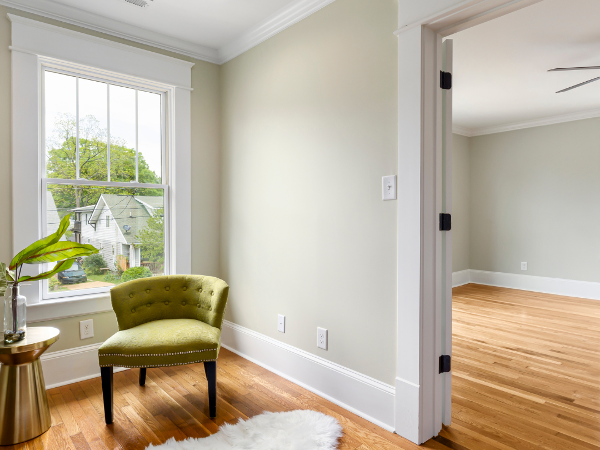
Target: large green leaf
37	246
63	265
3	281
59	251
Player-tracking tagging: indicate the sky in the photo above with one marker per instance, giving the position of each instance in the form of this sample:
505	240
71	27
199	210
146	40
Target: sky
61	98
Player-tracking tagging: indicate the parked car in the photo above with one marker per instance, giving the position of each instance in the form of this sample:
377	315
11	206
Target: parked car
75	274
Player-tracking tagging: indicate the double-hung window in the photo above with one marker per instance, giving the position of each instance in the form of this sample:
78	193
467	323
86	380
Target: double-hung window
104	164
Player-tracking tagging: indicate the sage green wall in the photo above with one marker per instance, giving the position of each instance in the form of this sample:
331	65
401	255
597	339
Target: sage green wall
535	198
205	174
309	123
461	200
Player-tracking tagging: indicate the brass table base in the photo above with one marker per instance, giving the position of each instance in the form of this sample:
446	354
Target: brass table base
24	412
23	403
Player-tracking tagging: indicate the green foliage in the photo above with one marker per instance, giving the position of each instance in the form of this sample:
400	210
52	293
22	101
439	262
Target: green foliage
93	163
3	281
53	284
112	277
51	249
152	238
92	264
134	273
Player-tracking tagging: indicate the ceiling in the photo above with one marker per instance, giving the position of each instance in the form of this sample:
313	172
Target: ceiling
212	30
500	68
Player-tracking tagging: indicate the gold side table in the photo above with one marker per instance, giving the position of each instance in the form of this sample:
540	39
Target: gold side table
24	412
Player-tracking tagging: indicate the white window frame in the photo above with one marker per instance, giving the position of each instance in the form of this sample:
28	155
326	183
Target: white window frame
36	45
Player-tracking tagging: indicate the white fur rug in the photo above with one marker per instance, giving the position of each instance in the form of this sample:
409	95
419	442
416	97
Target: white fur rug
295	430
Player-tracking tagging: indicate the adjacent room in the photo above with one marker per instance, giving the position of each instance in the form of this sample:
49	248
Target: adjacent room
526	249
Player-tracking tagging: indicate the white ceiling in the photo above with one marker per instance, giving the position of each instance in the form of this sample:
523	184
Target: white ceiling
500	67
212	30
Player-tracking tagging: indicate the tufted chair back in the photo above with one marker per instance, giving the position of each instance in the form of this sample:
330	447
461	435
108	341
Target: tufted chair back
170	297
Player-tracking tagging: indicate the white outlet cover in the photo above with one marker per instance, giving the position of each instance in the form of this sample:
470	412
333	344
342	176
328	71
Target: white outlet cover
281	323
322	338
523	266
389	187
86	329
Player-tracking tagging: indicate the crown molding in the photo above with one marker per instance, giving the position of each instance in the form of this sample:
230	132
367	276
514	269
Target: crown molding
84	19
271	26
551	120
276	23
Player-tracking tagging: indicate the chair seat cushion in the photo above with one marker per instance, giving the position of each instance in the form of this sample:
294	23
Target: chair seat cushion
162	343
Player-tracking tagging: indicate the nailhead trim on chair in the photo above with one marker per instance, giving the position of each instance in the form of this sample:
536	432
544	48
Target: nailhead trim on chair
158	354
162	365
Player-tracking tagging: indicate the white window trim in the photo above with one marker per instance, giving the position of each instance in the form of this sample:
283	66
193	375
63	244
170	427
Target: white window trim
36	44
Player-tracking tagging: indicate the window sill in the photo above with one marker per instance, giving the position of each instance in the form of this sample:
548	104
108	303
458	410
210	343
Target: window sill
69	307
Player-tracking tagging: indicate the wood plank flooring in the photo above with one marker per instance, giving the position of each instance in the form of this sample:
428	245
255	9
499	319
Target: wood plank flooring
526	376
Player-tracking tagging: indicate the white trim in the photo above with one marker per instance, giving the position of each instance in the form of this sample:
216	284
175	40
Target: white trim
282	19
42	39
551	120
82	363
546	285
367	397
80	18
69	307
271	26
461	277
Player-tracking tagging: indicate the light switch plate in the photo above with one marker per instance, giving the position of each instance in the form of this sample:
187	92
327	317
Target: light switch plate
389	187
281	323
86	329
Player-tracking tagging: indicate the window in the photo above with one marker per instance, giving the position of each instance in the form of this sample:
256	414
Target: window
104	153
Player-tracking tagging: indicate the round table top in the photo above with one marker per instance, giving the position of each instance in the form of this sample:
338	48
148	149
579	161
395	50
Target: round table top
35	338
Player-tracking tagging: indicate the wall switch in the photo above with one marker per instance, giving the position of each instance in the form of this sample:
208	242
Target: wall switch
86	329
322	338
389	187
281	323
523	266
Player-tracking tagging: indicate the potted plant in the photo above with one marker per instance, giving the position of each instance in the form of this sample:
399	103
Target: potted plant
48	250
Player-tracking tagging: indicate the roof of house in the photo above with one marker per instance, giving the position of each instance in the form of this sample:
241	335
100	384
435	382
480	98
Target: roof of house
131	213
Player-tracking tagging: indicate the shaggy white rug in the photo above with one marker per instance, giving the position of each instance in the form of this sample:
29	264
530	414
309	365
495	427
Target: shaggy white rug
295	430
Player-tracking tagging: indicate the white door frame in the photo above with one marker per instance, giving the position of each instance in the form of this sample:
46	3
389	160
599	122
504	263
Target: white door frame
418	409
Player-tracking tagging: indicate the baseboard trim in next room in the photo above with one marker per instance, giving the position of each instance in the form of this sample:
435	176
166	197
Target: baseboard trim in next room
546	285
366	397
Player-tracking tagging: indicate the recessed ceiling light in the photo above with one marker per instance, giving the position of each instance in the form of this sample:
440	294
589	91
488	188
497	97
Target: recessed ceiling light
140	3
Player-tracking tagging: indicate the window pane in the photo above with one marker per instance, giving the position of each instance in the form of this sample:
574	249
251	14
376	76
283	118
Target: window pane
125	224
60	132
149	137
93	121
122	133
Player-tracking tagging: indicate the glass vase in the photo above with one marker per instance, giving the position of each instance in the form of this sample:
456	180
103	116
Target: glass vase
15	310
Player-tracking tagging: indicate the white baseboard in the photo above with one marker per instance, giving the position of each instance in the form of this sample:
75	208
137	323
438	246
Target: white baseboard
370	399
558	286
461	277
71	365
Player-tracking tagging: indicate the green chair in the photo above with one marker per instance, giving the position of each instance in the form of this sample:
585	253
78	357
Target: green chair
165	321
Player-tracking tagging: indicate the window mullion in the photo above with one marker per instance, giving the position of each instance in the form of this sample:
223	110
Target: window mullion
108	132
136	137
77	173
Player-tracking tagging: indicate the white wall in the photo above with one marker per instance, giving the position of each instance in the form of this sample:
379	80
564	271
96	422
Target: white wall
309	128
461	203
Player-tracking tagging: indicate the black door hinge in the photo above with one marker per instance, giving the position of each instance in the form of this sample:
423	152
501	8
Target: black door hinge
445	80
445	362
445	222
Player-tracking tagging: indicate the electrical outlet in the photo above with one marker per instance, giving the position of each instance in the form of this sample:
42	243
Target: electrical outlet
322	338
523	266
86	329
281	323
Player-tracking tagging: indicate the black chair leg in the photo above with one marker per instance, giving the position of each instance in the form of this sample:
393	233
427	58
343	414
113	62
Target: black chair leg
142	376
107	393
210	368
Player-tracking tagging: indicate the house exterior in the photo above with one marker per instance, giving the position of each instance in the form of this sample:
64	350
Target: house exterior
112	224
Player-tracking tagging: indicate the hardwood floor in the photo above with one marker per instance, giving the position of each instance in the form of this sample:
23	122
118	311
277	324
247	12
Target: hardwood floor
526	376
